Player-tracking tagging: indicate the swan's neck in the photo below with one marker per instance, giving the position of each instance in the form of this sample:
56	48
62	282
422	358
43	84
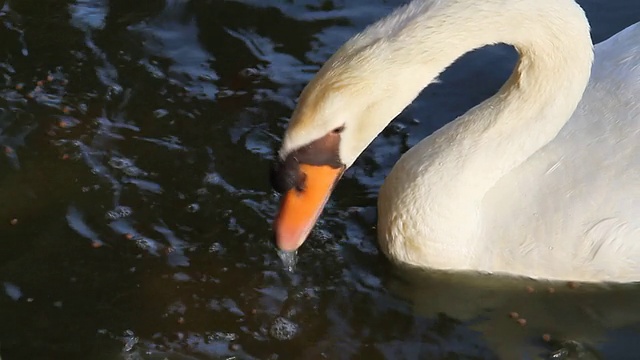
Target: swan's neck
449	173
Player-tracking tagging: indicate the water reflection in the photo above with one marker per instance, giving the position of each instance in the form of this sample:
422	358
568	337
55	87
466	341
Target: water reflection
519	316
135	138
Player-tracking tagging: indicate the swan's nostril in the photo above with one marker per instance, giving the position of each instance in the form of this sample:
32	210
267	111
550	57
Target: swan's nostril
301	181
278	180
286	175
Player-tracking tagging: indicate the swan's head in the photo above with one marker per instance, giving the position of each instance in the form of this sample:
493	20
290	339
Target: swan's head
338	114
373	76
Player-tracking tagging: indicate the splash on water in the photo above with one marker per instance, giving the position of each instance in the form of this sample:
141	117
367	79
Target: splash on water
289	259
129	340
571	349
283	329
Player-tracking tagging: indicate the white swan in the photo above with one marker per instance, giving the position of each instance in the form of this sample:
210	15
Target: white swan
541	180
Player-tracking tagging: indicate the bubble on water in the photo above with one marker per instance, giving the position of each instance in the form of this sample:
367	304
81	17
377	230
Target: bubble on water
119	212
289	259
193	208
119	163
283	329
216	248
114	89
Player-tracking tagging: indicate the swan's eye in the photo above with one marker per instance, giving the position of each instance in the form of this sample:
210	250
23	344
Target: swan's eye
338	130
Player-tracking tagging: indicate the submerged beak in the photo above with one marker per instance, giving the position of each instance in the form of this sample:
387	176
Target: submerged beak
300	208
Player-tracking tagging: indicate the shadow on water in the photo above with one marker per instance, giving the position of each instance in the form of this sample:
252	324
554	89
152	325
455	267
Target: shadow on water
135	138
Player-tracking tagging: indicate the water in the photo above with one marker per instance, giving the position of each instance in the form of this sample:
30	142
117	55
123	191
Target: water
289	259
135	140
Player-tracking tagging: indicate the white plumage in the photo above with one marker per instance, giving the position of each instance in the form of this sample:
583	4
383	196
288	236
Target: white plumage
540	180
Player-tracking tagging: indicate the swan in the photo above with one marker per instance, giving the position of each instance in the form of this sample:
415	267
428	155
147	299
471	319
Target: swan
542	180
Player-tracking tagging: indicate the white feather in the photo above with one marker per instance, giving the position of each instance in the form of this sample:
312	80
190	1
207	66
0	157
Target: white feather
540	180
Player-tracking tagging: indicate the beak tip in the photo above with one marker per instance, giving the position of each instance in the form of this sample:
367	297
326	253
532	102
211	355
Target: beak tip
287	242
287	249
299	209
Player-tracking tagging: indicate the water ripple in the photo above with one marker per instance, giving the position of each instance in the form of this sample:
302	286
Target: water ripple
135	142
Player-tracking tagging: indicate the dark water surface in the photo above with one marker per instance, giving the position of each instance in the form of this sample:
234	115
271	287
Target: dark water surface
135	139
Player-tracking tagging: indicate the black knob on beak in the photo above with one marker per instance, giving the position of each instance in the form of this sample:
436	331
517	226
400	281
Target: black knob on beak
285	175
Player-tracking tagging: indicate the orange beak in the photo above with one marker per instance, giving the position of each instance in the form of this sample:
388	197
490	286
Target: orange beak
300	209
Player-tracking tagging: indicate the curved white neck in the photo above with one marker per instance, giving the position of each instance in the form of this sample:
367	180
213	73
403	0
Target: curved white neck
552	38
454	168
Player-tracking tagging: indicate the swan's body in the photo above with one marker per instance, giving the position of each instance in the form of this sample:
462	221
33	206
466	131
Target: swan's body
541	180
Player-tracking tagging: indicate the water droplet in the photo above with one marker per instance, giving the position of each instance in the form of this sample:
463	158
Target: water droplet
289	259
